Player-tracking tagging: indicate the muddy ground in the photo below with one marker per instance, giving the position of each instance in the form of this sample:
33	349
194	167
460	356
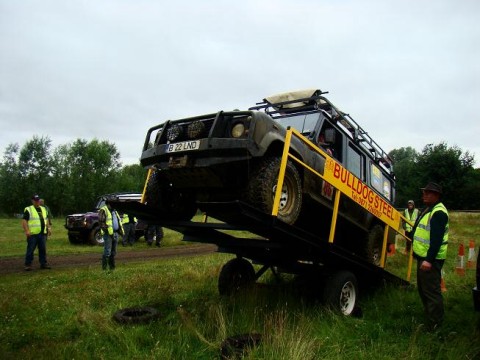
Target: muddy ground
16	264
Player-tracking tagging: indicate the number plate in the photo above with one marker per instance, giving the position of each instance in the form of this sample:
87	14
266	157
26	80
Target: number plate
183	146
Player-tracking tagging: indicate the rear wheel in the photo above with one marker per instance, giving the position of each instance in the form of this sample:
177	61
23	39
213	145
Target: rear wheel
235	275
171	202
373	250
341	291
263	185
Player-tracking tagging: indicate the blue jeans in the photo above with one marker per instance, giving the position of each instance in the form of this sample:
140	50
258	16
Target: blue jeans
110	244
33	241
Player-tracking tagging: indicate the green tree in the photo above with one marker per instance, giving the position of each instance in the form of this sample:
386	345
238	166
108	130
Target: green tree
131	178
449	166
10	196
34	165
94	170
406	173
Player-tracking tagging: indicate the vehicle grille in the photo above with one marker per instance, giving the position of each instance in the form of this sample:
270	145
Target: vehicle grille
185	131
75	222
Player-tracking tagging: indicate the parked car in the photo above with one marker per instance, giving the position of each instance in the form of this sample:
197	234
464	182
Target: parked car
83	228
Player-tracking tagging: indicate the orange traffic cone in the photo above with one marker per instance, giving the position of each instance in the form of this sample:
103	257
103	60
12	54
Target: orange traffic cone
391	249
471	262
460	269
442	282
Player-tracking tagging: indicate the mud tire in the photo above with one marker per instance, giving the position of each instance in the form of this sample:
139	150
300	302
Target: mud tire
262	185
373	248
171	203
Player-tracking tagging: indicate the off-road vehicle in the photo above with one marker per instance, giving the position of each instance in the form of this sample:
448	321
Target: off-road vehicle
236	155
84	227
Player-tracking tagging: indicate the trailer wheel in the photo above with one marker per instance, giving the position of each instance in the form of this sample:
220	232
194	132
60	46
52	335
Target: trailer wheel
341	292
172	203
374	245
236	274
262	187
95	236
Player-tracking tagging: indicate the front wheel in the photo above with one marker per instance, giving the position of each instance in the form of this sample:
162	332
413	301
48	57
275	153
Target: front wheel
170	202
341	292
95	237
263	185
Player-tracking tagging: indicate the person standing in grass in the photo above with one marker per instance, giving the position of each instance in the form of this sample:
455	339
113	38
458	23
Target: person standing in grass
111	227
129	224
411	213
36	226
430	242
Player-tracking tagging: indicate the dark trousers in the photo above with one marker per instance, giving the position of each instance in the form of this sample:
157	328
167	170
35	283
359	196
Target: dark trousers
429	289
33	241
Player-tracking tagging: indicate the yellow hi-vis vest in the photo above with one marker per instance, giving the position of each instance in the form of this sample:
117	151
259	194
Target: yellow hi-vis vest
34	223
126	219
109	220
421	239
412	218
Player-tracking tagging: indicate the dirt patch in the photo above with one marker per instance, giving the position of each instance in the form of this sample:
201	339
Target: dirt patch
16	264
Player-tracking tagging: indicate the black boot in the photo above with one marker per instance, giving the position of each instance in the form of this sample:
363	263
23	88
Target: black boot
111	262
104	262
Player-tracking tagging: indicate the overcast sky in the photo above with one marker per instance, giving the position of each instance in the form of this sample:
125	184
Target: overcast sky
407	71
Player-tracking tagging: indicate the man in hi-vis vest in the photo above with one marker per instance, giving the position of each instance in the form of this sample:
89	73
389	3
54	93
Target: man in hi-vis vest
430	242
36	226
411	214
111	227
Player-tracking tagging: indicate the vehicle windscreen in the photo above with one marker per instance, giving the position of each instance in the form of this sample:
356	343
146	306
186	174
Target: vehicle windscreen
305	123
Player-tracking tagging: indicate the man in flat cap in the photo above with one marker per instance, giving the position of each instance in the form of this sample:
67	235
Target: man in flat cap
430	242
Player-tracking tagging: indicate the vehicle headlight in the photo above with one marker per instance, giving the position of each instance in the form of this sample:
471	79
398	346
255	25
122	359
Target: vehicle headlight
238	130
195	129
174	132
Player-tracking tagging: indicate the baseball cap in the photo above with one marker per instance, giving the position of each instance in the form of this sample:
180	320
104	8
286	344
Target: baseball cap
411	202
36	197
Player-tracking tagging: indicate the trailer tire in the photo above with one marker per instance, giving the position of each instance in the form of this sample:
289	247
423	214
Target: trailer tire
171	203
262	186
341	292
374	245
235	275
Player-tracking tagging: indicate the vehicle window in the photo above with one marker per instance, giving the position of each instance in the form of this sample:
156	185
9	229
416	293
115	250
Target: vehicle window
355	162
380	182
303	123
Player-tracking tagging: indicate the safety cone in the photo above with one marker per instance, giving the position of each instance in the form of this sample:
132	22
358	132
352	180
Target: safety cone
471	262
442	282
391	249
460	269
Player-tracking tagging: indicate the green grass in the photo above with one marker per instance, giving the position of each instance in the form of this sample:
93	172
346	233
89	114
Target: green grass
67	314
13	242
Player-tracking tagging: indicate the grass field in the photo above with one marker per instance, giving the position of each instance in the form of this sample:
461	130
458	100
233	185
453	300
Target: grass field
67	314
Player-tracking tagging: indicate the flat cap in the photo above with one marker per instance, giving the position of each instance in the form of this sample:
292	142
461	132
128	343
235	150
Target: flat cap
431	186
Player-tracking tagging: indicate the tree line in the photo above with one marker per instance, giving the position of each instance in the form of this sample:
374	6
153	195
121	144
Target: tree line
70	177
448	166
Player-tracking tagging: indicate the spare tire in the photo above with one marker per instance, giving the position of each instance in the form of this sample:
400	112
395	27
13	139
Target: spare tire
136	315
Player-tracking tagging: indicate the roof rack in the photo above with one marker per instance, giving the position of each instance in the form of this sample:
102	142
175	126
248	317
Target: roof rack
285	104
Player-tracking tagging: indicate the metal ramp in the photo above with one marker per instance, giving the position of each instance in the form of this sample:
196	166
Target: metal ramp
272	242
